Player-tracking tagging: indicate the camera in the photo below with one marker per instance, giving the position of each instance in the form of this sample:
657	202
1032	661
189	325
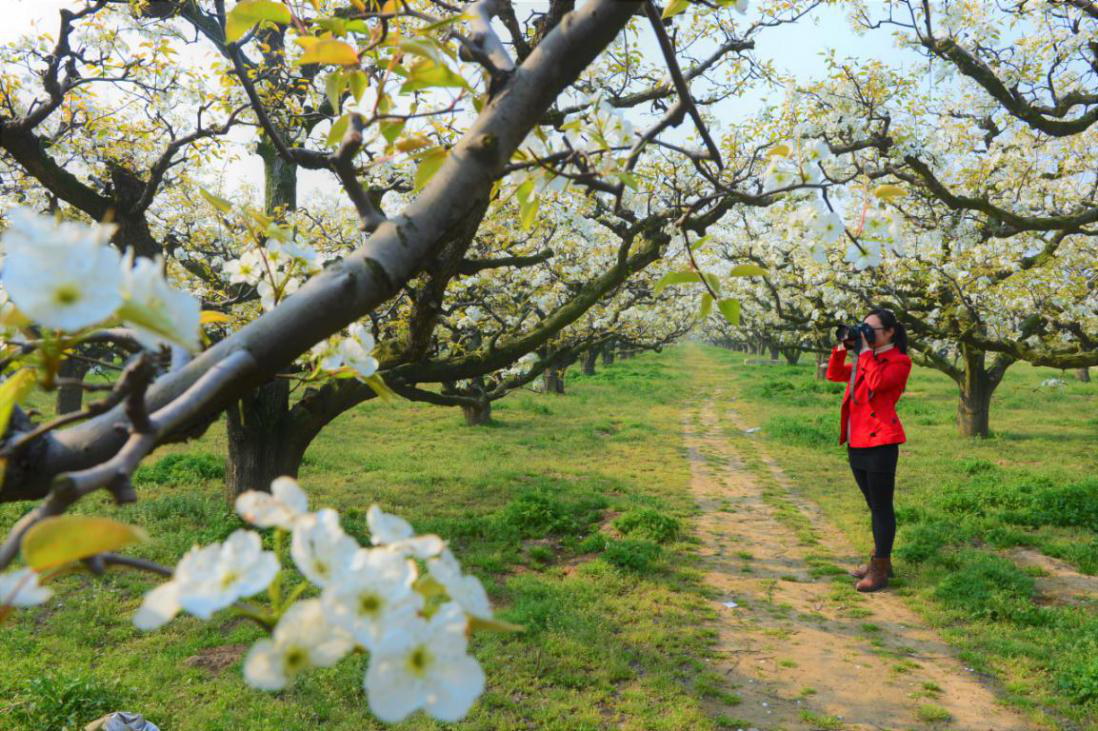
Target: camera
849	335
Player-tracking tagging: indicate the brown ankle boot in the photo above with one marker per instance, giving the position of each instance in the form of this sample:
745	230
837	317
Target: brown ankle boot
877	577
862	571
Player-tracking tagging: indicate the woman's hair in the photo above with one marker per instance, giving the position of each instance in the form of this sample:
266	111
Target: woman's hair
889	321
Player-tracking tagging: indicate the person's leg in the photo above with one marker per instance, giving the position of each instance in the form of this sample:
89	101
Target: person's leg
881	488
862	478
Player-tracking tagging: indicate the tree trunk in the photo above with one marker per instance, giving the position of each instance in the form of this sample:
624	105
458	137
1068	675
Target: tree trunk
1083	374
478	415
821	366
976	387
554	380
589	360
70	396
279	180
261	447
775	351
792	355
608	354
261	444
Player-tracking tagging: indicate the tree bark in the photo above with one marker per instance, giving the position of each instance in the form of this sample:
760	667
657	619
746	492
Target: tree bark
259	425
589	360
608	353
792	355
553	379
1083	374
478	415
977	384
775	351
821	366
259	436
70	397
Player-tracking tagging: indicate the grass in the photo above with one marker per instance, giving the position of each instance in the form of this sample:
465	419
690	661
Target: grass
962	505
570	509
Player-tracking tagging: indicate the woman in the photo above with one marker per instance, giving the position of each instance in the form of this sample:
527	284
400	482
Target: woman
871	429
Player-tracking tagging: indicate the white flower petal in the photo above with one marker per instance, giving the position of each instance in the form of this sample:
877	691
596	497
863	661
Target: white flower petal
385	527
458	683
288	492
159	607
264	667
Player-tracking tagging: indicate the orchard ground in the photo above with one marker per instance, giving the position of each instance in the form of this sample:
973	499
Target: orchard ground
615	523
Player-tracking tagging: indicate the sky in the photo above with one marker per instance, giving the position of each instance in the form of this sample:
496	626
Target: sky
796	48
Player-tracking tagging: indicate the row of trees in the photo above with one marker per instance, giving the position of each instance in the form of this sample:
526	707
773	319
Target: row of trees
974	213
507	196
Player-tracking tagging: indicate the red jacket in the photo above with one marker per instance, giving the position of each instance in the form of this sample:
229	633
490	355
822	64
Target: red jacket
870	411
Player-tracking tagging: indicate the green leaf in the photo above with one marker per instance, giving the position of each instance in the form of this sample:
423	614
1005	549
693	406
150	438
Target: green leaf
391	129
326	51
339	128
333	88
675	7
730	308
425	48
524	190
702	241
216	201
675	278
706	306
426	73
747	270
429	163
246	13
377	385
359	81
528	212
335	26
493	625
63	539
13	391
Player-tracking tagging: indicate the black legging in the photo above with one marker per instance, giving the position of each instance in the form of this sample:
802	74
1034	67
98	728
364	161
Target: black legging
878	488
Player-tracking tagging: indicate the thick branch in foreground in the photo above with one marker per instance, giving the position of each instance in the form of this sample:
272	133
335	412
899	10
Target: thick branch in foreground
371	275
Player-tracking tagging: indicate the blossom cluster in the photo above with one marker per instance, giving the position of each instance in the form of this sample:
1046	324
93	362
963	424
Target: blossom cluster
348	352
66	276
277	269
405	600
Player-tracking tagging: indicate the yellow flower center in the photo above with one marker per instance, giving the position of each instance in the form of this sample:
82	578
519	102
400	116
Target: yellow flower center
230	578
296	660
66	294
419	661
369	604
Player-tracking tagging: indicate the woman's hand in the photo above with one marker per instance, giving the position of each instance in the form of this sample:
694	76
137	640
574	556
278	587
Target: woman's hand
865	345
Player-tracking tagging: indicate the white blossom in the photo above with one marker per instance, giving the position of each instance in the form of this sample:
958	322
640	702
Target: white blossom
397	533
20	588
280	508
302	638
374	593
61	275
157	312
464	589
320	548
210	578
423	664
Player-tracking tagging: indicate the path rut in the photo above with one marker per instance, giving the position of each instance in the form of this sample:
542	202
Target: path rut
801	649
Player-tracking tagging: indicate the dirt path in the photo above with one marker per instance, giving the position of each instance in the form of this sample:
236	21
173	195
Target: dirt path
801	649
